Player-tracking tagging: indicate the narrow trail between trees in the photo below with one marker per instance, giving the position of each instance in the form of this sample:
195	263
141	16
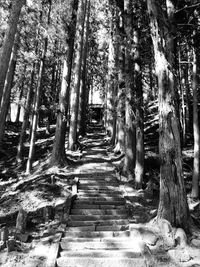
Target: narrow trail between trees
103	228
98	232
94	218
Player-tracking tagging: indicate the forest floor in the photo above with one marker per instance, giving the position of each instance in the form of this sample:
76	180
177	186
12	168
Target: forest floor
45	194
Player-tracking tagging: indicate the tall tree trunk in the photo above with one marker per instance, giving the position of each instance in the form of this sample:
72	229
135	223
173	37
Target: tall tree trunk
188	96
5	101
35	111
139	120
6	49
58	154
75	92
84	92
112	76
196	163
37	101
20	98
182	109
187	99
26	115
120	145
173	201
130	134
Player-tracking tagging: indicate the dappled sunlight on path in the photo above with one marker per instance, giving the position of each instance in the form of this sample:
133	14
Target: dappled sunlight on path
104	227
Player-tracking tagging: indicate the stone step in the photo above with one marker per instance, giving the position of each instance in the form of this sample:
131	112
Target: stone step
97	239
96	217
93	206
99	262
98	222
103	202
98	182
107	245
95	175
98	187
99	190
98	212
100	198
99	194
124	253
95	234
112	228
81	229
105	178
98	228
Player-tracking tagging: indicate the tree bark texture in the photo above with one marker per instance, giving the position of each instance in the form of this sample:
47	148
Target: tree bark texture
139	119
84	91
8	43
7	88
58	154
112	78
75	91
130	134
26	115
173	201
120	145
35	110
37	100
20	96
196	163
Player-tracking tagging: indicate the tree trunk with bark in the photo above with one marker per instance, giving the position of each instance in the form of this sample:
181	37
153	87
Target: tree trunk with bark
84	91
75	92
58	154
5	101
196	163
120	135
36	110
139	116
111	90
37	101
25	121
8	43
173	200
20	96
130	141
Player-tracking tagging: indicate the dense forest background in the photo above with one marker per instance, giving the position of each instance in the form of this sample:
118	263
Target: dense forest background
143	59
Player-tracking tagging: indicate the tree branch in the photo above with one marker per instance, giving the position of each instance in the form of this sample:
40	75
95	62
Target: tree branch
187	7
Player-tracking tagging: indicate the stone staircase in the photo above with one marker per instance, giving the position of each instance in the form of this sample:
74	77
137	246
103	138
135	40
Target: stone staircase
98	231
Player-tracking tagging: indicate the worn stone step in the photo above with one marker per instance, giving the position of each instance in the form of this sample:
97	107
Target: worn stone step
98	228
93	201
105	178
98	222
99	182
99	262
95	234
124	253
93	206
112	227
81	229
85	206
71	245
96	239
96	217
94	173
98	212
99	191
109	194
99	187
100	198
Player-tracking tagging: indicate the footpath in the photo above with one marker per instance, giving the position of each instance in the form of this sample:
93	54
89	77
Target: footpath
101	221
98	231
